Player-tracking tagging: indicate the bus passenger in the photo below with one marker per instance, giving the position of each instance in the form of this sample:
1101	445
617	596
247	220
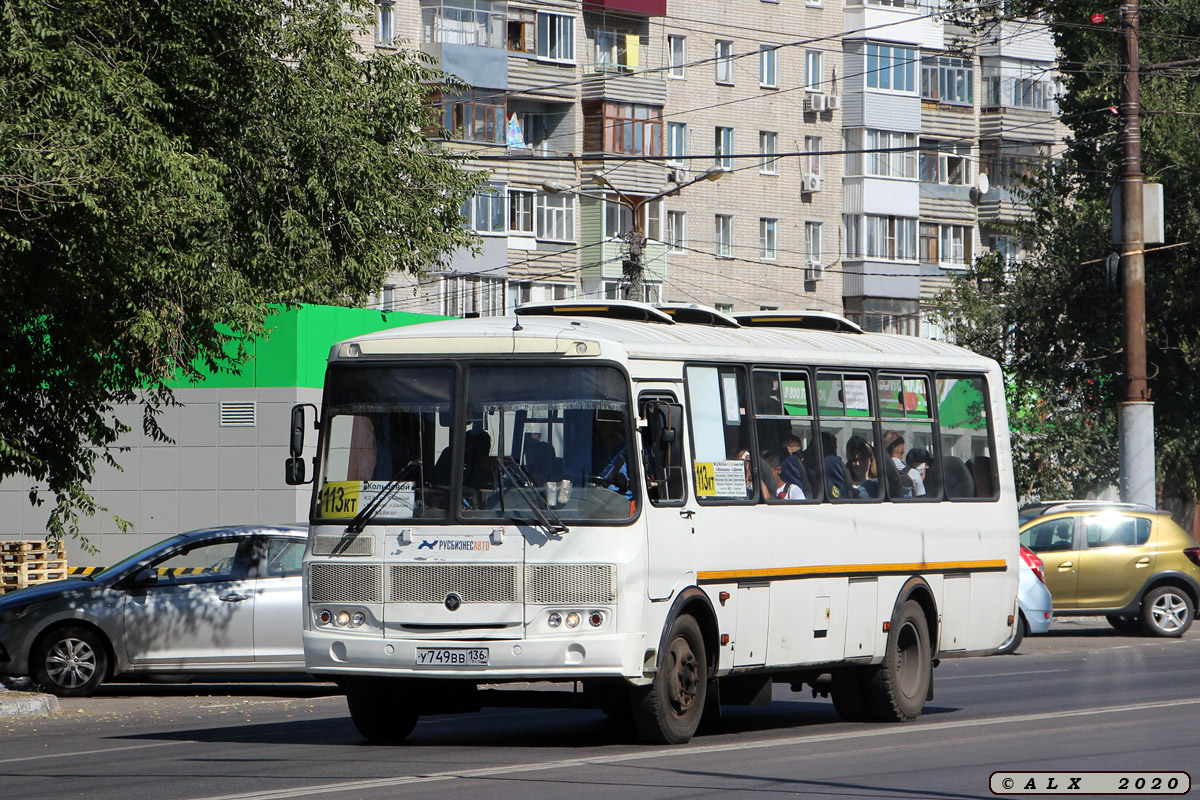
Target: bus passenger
920	463
908	481
792	479
836	483
860	463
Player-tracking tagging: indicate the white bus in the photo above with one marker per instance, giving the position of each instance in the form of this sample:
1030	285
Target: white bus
666	508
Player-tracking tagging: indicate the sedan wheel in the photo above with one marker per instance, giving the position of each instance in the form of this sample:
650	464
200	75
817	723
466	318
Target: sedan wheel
1167	611
69	662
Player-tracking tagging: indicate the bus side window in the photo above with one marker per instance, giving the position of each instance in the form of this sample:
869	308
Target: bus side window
662	451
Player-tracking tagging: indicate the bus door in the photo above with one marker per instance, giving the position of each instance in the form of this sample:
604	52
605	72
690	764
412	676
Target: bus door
669	516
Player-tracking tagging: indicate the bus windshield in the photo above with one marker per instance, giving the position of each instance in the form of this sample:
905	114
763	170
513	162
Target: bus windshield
531	443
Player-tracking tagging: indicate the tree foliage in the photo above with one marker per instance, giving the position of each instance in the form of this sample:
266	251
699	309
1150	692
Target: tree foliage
169	168
1051	318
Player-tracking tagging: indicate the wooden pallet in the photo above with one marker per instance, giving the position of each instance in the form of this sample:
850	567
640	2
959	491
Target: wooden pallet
26	562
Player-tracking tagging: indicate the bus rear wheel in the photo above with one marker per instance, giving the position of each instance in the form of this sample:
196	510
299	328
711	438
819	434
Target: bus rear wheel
668	711
381	709
897	688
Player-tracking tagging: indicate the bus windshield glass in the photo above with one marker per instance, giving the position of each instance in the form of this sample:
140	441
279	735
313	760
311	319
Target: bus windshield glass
550	437
385	424
532	443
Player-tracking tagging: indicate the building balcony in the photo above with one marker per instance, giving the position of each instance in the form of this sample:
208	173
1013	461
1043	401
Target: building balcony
624	84
646	8
603	260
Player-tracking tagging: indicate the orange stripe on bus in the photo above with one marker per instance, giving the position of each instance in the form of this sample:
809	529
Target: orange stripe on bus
851	569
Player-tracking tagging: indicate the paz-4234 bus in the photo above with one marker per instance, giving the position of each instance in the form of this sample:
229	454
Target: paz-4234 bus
662	508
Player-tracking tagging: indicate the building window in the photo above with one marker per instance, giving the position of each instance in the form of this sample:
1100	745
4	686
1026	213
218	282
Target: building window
614	51
618	217
884	314
725	235
927	243
522	30
472	295
945	162
956	245
814	80
484	211
767	148
724	308
890	238
947	80
1018	84
768	238
555	36
475	116
724	61
556	217
853	230
812	161
677	231
387	298
724	148
891	68
768	66
812	241
386	32
887	154
677	142
1009	162
676	56
632	129
520	212
472	22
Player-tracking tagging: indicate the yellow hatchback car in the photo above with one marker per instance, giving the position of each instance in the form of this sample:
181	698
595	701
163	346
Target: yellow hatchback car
1130	563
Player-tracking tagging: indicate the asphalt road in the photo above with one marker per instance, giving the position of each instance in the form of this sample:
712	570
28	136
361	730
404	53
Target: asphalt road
1079	698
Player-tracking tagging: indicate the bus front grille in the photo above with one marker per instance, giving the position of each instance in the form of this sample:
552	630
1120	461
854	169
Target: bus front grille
430	583
570	584
345	583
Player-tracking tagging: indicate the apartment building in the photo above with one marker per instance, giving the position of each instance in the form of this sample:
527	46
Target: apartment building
865	152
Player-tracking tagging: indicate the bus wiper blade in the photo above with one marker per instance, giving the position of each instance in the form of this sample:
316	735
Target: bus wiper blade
519	478
371	509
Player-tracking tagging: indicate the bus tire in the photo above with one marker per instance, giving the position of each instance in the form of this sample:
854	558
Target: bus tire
382	711
848	691
668	711
1020	629
897	688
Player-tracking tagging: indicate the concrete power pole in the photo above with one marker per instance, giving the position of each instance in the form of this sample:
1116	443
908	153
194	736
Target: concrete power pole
1135	413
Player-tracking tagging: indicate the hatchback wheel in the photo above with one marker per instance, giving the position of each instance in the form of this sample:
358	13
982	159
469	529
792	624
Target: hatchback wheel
71	661
1167	611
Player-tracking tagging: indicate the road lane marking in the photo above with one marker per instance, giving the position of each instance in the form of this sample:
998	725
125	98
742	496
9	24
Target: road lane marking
102	751
999	674
673	752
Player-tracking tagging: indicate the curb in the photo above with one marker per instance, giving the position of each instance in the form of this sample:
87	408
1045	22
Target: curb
27	704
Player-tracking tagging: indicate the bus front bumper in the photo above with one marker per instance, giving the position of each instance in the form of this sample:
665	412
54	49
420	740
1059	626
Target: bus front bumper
550	658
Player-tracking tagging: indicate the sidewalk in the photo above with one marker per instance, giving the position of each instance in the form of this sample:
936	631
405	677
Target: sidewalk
19	698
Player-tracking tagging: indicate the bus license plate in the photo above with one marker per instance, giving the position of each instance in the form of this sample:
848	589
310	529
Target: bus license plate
452	657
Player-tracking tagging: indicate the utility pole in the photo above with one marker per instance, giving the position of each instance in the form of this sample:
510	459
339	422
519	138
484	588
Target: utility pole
1135	414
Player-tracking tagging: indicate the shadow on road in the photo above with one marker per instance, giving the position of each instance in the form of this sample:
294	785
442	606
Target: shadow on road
299	689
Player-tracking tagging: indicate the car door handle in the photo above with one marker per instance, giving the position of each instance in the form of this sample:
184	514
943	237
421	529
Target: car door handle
234	598
687	513
1144	561
1064	566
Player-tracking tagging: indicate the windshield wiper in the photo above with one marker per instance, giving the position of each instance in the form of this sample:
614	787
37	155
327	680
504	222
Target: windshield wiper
520	478
371	509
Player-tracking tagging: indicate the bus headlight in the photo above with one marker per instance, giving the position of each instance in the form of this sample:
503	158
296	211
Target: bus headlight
324	616
554	620
573	620
342	619
595	619
357	619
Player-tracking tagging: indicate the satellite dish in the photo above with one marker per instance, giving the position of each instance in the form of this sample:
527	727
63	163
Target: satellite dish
982	183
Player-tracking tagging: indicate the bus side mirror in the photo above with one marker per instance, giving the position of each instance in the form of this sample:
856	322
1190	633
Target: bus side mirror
664	420
294	472
294	466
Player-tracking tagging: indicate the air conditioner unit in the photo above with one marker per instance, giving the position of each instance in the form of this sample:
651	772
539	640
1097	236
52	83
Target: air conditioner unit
814	102
833	102
813	271
812	182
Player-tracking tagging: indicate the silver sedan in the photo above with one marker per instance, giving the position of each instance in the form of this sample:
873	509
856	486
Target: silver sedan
219	600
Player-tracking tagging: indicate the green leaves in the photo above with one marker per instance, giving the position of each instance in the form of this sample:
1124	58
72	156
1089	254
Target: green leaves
170	168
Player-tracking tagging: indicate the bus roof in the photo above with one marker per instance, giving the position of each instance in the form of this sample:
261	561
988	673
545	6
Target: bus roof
650	338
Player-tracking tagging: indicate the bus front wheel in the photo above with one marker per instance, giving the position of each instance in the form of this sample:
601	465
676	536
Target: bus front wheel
381	709
668	711
898	687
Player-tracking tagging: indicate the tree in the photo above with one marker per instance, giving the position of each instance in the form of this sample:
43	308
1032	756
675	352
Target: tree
169	168
1051	318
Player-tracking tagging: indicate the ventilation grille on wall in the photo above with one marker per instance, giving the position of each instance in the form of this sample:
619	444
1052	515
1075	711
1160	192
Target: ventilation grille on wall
237	415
